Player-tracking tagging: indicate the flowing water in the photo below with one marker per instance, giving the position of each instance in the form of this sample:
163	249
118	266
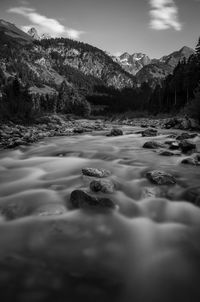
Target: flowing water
147	250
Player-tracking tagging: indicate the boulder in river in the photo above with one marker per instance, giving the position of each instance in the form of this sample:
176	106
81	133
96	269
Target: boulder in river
190	161
93	172
149	132
104	186
187	146
192	195
161	177
166	153
115	132
79	130
174	146
81	200
186	135
152	145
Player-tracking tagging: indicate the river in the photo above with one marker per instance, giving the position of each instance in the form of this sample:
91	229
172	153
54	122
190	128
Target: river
146	250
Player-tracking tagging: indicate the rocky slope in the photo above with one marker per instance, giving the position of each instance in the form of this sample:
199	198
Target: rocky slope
10	34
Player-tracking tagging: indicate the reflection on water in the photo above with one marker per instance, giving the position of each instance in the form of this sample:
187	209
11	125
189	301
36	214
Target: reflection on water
148	250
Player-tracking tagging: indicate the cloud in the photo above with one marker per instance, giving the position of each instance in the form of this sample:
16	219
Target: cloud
44	24
164	15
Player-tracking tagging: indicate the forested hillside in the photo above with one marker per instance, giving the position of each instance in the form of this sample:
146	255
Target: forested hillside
66	76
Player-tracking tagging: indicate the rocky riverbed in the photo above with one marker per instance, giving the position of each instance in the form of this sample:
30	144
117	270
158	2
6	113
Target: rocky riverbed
14	135
108	212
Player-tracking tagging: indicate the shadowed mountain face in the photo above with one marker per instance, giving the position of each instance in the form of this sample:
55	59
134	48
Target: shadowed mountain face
9	33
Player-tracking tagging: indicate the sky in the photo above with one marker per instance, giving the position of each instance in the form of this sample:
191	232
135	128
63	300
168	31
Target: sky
153	27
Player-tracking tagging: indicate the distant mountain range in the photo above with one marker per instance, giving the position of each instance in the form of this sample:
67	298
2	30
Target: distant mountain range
44	64
39	59
34	34
152	71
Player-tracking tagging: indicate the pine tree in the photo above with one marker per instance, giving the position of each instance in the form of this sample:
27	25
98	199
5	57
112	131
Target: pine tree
197	49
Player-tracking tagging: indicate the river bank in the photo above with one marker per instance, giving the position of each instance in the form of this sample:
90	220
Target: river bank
13	135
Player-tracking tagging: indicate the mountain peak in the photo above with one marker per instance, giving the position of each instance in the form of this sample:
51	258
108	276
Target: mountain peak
33	33
186	50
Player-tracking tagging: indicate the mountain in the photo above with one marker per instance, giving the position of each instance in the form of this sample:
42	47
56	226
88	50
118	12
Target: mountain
174	58
157	70
47	63
133	63
34	34
10	34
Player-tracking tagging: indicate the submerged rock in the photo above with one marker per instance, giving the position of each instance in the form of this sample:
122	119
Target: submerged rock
81	200
104	186
186	146
186	135
190	161
149	132
152	145
166	153
79	130
192	195
174	146
93	172
115	132
161	177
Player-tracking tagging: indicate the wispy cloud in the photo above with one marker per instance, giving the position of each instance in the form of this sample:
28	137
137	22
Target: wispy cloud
164	15
45	24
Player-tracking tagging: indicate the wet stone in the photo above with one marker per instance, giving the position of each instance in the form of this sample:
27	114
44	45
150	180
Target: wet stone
104	186
174	146
186	146
152	145
190	161
115	132
186	135
149	132
81	200
192	195
161	178
93	172
166	153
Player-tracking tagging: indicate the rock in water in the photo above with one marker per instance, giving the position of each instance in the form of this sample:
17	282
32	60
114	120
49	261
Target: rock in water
149	132
78	130
185	135
161	178
152	145
190	161
81	200
192	195
186	146
166	153
115	132
104	186
174	145
92	172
